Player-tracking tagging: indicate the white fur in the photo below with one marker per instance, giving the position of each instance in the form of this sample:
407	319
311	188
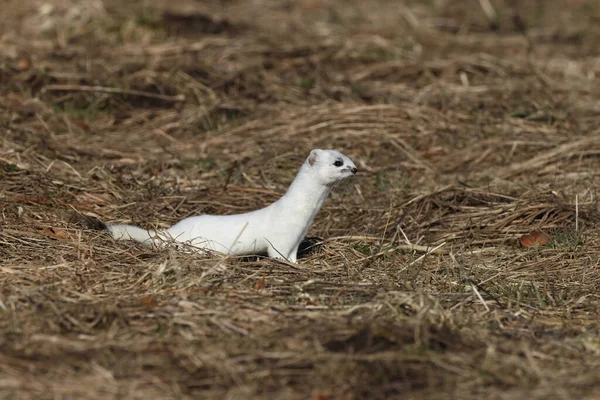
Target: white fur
275	230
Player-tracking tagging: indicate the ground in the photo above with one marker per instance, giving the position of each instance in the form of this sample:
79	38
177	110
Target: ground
461	262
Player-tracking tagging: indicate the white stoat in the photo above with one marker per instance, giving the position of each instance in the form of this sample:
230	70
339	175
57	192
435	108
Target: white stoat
275	230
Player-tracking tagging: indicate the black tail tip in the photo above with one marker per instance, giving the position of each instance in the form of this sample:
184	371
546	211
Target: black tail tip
89	222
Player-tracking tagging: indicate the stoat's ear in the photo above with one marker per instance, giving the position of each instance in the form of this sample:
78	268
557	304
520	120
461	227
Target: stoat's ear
313	157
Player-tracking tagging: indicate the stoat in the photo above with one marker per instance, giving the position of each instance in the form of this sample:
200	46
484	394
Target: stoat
275	230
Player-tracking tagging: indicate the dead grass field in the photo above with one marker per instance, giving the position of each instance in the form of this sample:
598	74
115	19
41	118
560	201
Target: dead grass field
471	126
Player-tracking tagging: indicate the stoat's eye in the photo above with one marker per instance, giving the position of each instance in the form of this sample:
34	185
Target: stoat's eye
338	163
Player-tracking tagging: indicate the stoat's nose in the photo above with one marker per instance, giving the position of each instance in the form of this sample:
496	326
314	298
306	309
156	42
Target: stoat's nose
354	170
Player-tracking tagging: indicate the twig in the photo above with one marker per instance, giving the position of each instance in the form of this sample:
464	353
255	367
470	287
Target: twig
51	203
576	213
427	253
410	17
411	153
479	297
405	237
489	11
103	89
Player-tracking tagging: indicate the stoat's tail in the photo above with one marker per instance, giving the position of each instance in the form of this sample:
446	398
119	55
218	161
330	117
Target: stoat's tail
130	232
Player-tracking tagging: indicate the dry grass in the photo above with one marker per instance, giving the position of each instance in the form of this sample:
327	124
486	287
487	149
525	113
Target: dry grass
472	123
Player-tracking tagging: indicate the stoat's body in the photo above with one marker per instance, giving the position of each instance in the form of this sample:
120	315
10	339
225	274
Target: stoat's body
276	230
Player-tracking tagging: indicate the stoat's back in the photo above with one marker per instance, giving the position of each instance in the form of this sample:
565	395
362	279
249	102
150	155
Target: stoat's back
240	233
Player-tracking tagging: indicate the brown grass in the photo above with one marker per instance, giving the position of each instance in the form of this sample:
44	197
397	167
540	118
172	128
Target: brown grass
472	123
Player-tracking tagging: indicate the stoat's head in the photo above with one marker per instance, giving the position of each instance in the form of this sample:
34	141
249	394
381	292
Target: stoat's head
330	166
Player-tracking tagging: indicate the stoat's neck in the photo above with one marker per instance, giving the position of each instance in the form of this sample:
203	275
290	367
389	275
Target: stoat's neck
306	195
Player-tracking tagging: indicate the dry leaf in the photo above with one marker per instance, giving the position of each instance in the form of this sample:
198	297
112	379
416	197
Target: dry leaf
320	396
309	5
82	124
434	152
149	301
56	232
23	64
260	284
535	238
